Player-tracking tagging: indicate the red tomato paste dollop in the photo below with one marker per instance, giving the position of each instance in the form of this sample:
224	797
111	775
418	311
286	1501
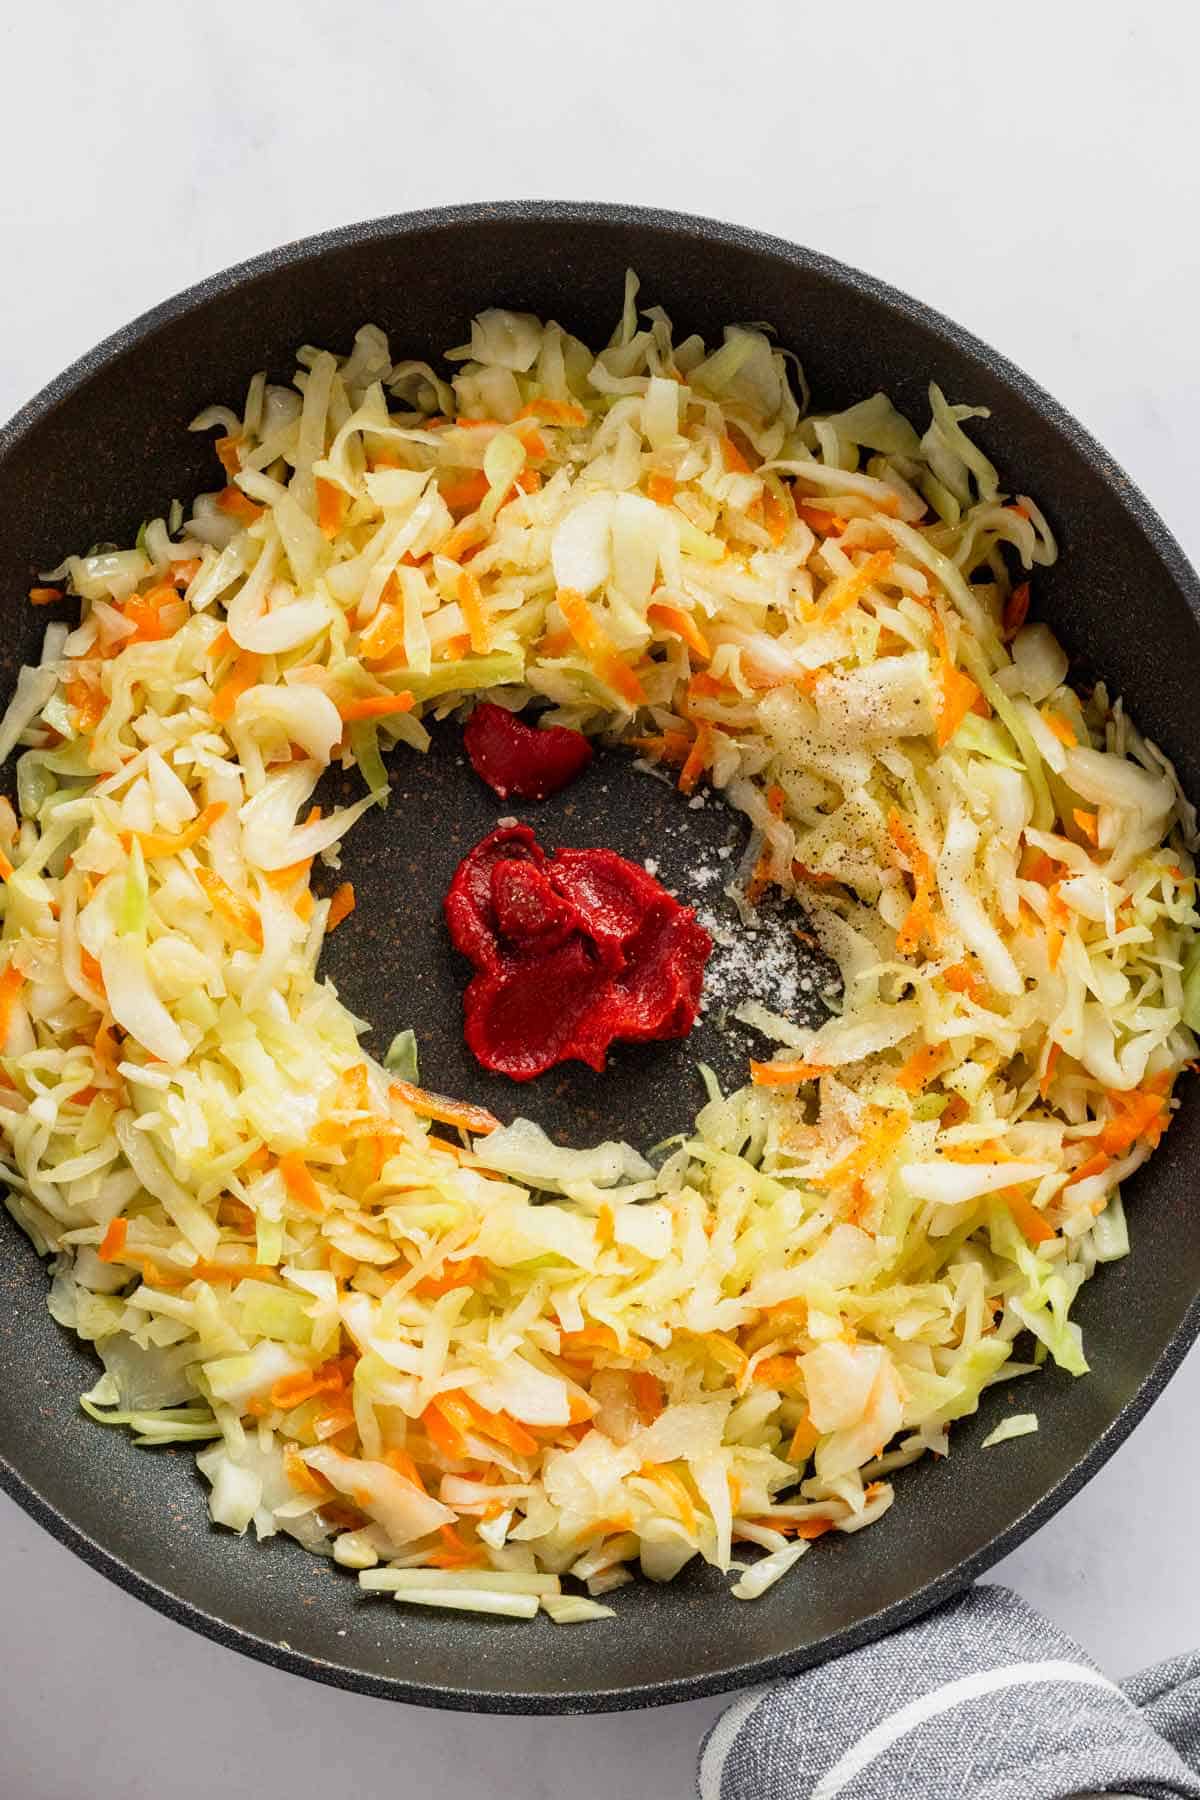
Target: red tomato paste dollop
573	952
515	758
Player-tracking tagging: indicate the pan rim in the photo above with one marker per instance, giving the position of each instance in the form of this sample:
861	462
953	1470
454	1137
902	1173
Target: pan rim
1122	491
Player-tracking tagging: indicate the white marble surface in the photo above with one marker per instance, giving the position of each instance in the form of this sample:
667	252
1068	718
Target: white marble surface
1032	170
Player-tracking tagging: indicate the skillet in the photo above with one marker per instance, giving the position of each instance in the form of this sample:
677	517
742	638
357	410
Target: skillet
105	446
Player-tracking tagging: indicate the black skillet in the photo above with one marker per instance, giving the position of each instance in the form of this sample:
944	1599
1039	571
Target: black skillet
105	446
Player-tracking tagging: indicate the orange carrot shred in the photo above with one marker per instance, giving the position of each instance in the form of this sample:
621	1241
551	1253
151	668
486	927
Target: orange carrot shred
44	596
443	1109
1016	610
243	675
340	906
113	1241
785	1074
299	1183
682	624
698	758
11	983
466	494
333	502
228	454
170	843
598	647
237	910
921	1067
1062	728
478	625
231	500
376	706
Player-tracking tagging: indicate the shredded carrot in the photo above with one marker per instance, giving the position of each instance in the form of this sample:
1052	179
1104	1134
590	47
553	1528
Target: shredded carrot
682	624
1087	823
1062	728
553	412
6	868
1047	1076
777	516
231	500
500	1426
467	493
44	596
672	1483
376	706
849	590
647	1394
243	675
237	910
920	920
1016	610
666	746
11	983
661	489
299	1182
445	1110
113	1242
821	518
957	693
804	1441
1142	1113
1028	1219
598	647
227	449
478	625
170	843
303	1478
785	1074
458	1554
235	1213
304	906
732	457
1058	917
87	702
961	978
698	758
878	1138
145	613
341	905
282	879
185	571
1037	866
403	1464
384	634
921	1068
333	503
776	1371
443	1433
469	1272
467	536
294	1390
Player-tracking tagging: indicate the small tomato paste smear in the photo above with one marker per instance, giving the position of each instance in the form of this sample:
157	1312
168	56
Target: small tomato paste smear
515	758
572	953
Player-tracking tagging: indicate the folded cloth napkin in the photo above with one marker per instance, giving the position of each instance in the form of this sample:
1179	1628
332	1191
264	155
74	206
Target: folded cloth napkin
982	1700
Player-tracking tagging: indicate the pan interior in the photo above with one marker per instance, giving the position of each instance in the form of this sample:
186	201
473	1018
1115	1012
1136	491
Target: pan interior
105	448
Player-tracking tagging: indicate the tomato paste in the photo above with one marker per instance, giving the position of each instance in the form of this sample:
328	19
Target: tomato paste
515	758
573	952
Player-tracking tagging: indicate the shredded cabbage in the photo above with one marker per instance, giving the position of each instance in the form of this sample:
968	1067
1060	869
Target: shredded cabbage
474	1370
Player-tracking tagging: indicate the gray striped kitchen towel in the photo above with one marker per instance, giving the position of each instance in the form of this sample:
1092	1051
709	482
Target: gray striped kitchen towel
982	1700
